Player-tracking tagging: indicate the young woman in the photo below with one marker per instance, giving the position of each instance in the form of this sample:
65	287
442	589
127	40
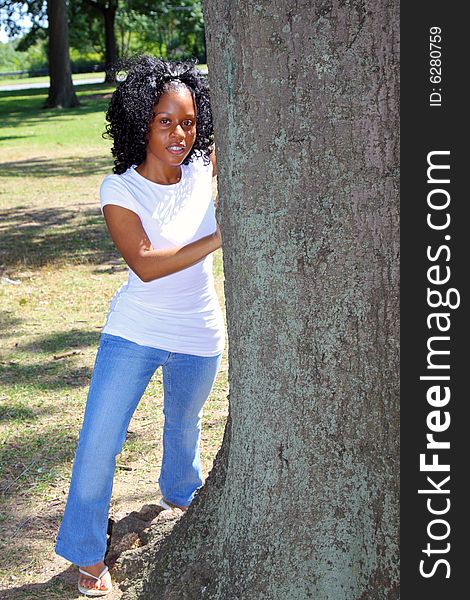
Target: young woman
159	211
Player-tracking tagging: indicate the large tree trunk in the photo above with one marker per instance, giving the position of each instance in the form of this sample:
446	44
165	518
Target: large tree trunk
303	498
61	92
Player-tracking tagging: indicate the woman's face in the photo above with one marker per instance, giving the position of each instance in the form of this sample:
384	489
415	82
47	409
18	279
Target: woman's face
173	130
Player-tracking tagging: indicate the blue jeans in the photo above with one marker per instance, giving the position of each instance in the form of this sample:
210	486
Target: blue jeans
121	374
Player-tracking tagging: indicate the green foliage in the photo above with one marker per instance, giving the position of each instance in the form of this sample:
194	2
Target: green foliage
12	59
82	62
171	29
86	29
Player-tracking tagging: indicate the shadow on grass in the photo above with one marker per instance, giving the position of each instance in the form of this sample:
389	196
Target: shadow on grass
32	116
8	323
93	98
36	237
16	412
47	375
32	456
82	90
52	167
66	340
32	460
59	587
13	137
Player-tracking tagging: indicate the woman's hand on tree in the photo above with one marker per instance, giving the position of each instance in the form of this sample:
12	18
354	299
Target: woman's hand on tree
218	236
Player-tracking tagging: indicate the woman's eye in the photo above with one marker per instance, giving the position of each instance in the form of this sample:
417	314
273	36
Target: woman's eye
185	123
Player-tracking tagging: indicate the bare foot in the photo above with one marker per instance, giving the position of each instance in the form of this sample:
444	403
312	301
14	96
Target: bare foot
104	582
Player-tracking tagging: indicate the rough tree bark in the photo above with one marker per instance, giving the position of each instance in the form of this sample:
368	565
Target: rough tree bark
61	92
302	501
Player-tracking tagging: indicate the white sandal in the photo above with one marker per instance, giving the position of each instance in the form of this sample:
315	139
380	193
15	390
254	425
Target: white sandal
168	506
90	591
164	505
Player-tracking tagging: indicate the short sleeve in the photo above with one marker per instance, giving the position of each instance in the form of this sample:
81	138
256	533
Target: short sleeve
114	191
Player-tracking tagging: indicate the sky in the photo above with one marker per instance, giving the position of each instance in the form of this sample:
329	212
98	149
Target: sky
23	20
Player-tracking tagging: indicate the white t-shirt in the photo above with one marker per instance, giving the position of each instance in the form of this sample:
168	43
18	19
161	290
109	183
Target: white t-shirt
179	312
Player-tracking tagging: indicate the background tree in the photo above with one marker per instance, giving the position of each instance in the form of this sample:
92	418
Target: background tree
302	501
61	92
107	9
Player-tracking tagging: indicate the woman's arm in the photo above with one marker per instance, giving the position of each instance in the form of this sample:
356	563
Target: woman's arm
214	162
134	246
214	174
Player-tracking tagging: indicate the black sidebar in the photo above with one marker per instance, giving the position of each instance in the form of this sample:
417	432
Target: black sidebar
435	242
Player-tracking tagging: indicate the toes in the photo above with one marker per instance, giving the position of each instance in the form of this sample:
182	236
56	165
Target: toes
103	584
89	584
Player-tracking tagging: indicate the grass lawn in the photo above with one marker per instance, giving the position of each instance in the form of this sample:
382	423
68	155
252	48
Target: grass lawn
58	272
45	78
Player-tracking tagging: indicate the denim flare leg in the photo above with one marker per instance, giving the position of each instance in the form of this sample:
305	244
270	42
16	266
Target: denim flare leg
121	374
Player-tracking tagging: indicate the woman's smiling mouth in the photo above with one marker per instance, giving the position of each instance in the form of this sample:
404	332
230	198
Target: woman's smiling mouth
176	149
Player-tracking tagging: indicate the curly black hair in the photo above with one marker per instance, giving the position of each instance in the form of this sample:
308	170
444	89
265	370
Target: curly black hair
130	111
